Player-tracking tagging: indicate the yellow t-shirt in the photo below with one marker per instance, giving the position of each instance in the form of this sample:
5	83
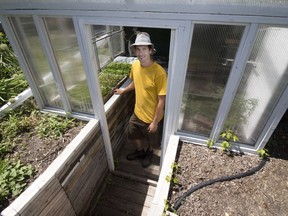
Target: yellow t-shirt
149	82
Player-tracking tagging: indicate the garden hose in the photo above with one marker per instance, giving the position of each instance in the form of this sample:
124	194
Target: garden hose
180	200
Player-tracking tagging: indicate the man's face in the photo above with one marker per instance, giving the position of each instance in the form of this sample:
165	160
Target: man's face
143	53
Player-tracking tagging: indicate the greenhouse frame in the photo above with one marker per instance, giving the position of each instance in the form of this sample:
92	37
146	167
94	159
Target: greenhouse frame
227	61
249	43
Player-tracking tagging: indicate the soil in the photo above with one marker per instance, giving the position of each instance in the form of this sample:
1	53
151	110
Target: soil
40	153
263	193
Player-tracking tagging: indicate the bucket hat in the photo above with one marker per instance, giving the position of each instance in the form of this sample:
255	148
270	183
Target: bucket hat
143	38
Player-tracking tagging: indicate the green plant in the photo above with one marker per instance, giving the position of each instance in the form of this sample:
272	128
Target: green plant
167	207
171	177
263	153
228	136
111	75
175	166
210	143
13	178
14	123
12	81
54	126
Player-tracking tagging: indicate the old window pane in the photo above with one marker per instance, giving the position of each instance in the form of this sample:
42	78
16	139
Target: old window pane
212	54
36	59
264	80
64	42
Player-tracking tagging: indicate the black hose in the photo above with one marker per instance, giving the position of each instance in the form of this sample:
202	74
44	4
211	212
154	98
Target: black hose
179	201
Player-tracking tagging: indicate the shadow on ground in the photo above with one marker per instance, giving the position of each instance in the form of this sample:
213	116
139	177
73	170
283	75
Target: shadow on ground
278	144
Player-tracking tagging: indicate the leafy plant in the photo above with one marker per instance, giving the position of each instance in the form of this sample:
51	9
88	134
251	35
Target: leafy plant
12	81
228	136
17	121
13	178
167	207
210	143
54	126
263	153
175	166
171	177
111	75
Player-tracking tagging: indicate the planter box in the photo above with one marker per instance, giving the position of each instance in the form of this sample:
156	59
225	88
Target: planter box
76	177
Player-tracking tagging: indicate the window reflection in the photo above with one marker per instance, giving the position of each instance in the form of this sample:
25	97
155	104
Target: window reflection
263	82
36	59
65	46
212	54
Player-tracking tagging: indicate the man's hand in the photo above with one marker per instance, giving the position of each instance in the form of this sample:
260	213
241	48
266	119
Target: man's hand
118	91
152	127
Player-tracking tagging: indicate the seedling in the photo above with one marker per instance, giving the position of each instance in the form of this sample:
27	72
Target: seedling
263	153
167	207
210	143
175	166
229	136
172	179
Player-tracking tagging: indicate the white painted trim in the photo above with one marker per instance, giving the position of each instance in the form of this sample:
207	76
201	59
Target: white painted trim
83	34
14	41
143	15
179	52
235	77
163	187
48	50
264	9
19	99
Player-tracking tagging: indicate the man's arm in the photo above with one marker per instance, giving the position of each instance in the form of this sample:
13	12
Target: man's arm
130	87
158	114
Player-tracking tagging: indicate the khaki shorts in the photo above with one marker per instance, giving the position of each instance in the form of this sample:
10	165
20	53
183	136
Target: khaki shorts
139	130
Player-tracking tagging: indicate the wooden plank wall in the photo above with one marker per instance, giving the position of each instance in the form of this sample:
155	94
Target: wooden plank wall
75	179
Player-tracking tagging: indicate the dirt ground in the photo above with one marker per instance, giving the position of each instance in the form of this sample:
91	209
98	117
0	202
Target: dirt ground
40	153
263	193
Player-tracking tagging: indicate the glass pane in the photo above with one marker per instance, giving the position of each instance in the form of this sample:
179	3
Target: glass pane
100	35
212	53
117	41
263	82
36	59
108	41
64	42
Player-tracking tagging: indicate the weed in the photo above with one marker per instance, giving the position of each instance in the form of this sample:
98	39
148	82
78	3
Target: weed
167	207
175	166
54	126
171	177
263	153
13	178
210	143
229	136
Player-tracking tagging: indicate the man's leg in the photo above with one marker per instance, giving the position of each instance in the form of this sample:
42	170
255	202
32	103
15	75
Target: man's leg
153	142
139	152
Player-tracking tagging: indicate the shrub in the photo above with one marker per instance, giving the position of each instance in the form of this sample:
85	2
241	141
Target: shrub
12	81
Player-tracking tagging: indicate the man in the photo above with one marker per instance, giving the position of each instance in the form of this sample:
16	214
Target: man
149	80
